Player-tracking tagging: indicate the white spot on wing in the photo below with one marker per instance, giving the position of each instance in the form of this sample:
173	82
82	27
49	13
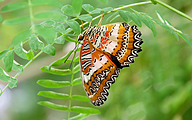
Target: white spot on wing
98	64
112	45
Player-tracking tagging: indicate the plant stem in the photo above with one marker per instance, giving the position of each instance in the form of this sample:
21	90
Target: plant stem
173	9
120	8
71	86
33	30
4	89
23	69
31	15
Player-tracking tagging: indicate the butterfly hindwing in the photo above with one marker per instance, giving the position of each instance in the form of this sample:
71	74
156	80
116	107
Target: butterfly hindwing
98	72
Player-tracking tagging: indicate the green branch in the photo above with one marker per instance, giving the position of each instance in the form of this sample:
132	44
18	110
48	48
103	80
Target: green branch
120	8
173	9
23	69
71	86
31	15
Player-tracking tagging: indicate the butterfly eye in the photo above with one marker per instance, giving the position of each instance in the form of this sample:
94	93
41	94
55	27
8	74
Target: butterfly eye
80	37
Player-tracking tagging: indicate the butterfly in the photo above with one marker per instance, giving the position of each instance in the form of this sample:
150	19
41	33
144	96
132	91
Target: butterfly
105	50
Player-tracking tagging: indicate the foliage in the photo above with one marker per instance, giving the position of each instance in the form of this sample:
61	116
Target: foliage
63	26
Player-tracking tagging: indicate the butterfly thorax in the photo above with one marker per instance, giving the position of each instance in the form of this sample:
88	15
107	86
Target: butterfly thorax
90	31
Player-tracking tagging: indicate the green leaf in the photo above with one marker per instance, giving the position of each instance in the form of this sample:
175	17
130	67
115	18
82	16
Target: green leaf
30	54
16	66
46	2
21	37
85	110
160	17
71	35
8	60
111	16
123	15
21	52
163	25
47	33
76	68
88	7
186	39
81	98
48	23
16	21
53	105
148	22
75	26
86	17
35	43
68	10
68	30
12	83
70	39
61	60
104	1
152	26
50	15
56	71
174	29
59	40
144	19
97	10
59	27
79	49
107	9
114	18
175	34
40	44
76	59
4	76
79	117
135	18
51	94
53	84
76	5
1	18
49	49
3	53
77	81
20	71
14	6
68	61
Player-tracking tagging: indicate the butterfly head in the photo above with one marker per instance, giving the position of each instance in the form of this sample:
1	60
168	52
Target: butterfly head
88	32
80	37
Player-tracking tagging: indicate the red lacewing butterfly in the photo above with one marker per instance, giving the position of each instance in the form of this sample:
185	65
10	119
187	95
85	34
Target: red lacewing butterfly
105	50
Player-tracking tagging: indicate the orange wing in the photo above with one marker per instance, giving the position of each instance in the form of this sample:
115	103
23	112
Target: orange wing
104	51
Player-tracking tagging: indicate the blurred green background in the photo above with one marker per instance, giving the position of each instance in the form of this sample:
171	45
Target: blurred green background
158	86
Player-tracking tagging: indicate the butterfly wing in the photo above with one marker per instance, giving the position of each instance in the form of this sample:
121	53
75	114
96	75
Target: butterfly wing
103	53
98	72
121	40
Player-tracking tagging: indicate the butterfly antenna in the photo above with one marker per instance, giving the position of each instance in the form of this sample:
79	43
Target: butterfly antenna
82	25
100	21
90	24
